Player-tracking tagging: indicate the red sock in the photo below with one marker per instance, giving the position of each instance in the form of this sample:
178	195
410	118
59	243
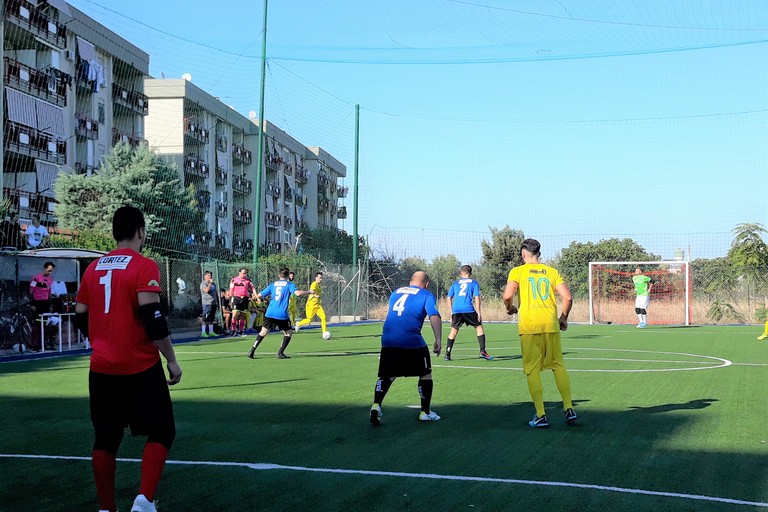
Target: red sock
234	325
152	468
104	466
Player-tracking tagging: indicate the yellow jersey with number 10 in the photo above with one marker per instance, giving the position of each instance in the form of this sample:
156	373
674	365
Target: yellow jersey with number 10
538	304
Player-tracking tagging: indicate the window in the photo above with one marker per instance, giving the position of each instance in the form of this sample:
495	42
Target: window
102	112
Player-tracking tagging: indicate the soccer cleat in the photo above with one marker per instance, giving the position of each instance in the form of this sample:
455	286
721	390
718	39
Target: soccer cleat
486	355
205	335
570	415
539	422
762	337
142	504
641	325
448	357
297	328
280	355
251	352
375	417
431	416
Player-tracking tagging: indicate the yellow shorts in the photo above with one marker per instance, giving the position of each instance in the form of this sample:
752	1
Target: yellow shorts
541	351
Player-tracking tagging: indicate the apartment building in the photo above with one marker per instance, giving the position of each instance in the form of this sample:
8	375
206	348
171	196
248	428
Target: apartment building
72	89
215	149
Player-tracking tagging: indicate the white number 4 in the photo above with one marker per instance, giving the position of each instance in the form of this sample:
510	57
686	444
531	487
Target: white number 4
399	305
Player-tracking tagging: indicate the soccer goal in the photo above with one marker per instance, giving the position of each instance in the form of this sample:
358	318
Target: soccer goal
612	292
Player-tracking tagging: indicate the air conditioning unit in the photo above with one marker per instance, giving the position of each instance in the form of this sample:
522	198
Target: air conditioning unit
69	55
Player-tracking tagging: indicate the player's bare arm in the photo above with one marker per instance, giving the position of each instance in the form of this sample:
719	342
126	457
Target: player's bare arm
437	329
565	294
509	296
157	328
477	309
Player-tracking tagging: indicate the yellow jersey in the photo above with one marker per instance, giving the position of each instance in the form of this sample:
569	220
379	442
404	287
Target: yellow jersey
538	304
315	287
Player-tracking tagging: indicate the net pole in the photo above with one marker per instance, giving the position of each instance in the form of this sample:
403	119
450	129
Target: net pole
591	298
687	293
260	158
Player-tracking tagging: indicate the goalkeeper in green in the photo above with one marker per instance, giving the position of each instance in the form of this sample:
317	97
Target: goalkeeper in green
643	285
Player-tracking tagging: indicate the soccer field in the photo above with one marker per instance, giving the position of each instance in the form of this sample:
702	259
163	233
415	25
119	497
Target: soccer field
670	419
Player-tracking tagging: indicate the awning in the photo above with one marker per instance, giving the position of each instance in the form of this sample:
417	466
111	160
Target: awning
223	160
50	118
86	50
62	6
46	176
21	108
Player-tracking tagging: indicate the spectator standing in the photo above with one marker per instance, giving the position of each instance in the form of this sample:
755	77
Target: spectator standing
37	235
210	299
40	289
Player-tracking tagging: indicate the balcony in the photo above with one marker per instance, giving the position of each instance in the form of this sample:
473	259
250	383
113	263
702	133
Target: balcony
27	16
333	209
322	179
323	204
132	101
342	212
82	168
302	175
241	245
196	134
333	187
199	240
86	127
220	241
130	139
240	155
343	191
194	166
221	176
288	170
221	209
49	85
242	185
31	142
30	201
288	195
273	219
288	223
204	201
300	199
221	144
273	190
242	215
274	162
272	246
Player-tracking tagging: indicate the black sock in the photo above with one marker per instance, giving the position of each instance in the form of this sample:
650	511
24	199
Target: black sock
286	341
382	386
450	346
481	341
259	337
425	392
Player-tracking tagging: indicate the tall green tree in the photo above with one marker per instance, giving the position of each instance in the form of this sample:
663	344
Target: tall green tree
136	177
331	245
500	254
749	254
573	261
442	272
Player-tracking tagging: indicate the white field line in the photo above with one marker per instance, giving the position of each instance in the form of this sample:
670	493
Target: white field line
258	466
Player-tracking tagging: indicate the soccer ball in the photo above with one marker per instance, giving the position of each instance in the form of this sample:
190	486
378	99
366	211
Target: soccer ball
327	335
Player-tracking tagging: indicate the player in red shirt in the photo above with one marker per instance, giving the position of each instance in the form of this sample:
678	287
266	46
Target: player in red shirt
118	308
242	291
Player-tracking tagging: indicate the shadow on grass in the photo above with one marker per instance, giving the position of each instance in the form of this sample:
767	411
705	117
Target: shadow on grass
700	403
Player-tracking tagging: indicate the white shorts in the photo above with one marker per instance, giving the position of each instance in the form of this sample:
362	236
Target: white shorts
642	301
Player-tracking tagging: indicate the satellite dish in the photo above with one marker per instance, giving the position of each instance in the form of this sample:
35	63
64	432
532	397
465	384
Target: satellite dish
187	77
252	114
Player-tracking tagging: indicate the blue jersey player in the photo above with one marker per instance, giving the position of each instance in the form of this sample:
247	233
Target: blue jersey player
464	303
404	352
277	316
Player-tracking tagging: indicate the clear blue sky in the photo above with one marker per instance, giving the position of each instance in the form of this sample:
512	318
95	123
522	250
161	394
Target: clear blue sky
570	120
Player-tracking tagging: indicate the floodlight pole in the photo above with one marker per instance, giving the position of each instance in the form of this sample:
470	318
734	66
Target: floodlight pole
355	262
260	156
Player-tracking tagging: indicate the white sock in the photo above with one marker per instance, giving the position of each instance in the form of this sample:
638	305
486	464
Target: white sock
640	318
643	318
203	331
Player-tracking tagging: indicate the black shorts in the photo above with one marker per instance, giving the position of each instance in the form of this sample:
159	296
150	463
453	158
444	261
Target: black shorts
141	401
404	362
273	324
459	319
41	306
209	312
240	303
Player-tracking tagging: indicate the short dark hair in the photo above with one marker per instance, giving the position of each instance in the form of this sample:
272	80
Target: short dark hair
49	264
284	272
532	246
243	268
126	221
467	269
36	216
291	272
207	272
318	274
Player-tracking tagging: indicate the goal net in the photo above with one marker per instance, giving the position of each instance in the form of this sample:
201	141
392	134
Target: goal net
612	292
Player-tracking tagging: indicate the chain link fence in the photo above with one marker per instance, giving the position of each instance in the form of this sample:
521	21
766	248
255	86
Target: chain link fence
721	294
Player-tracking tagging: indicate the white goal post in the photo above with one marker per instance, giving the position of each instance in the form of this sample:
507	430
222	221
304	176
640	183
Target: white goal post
612	293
